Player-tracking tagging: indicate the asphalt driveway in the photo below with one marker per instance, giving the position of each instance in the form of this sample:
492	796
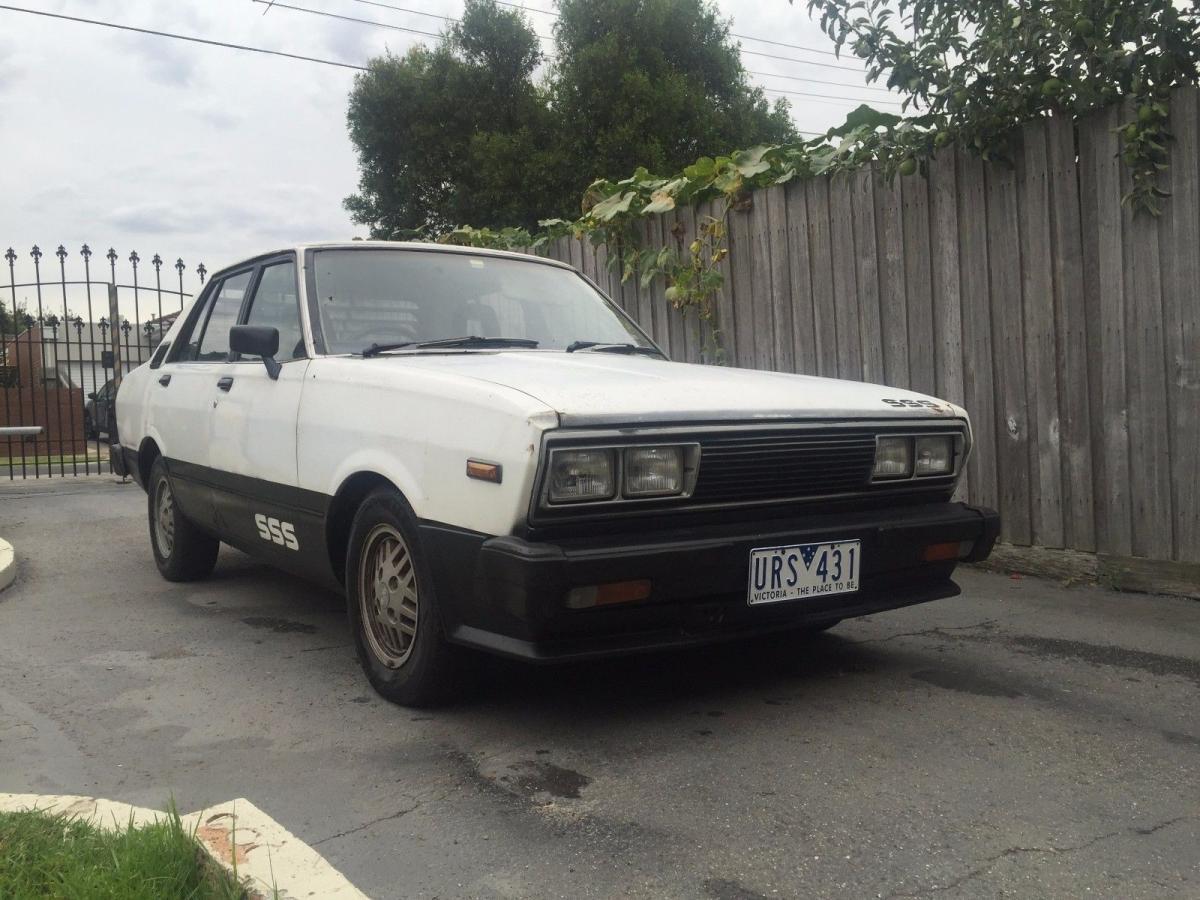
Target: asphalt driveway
1023	740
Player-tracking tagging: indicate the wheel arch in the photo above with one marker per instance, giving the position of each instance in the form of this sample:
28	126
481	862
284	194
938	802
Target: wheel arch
349	496
148	452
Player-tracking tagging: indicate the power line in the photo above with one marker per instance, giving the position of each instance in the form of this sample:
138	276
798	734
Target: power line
837	97
743	37
792	59
274	4
377	24
853	87
183	37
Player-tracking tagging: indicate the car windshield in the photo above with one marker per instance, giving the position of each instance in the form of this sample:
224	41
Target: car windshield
388	297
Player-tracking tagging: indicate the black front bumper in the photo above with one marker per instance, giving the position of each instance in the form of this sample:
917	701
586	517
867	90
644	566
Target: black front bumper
507	595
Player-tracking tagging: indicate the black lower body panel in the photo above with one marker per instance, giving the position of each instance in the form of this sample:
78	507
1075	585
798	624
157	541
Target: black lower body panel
507	595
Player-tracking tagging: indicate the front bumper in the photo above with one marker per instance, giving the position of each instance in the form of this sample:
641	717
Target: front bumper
506	595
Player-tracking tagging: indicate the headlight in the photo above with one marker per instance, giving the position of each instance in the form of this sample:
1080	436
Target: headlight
935	455
653	471
893	457
577	475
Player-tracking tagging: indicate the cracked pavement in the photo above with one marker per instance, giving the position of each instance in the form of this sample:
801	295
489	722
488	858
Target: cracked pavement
1023	740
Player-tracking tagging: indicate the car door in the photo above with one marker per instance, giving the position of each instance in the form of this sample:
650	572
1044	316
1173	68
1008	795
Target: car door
252	441
180	402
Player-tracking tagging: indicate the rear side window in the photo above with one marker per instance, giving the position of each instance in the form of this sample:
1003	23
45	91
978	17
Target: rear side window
276	305
222	315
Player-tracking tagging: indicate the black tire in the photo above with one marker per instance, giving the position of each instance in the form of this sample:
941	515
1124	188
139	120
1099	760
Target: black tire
89	429
182	551
402	648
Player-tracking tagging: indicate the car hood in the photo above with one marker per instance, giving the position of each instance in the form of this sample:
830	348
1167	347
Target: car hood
614	389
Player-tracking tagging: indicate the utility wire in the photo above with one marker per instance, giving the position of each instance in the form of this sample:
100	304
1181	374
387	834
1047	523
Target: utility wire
743	37
274	4
183	37
377	24
829	97
853	87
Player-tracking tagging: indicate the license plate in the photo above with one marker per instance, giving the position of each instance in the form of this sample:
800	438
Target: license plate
803	570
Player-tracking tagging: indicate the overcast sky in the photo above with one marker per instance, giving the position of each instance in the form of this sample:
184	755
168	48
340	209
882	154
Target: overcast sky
211	154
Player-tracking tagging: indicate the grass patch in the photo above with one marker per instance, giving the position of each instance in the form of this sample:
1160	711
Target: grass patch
15	461
50	856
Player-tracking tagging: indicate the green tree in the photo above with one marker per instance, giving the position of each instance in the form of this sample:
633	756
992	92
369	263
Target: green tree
455	133
462	133
653	83
980	67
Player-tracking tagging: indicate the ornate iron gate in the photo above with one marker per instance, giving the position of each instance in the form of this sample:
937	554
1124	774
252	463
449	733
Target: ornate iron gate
65	342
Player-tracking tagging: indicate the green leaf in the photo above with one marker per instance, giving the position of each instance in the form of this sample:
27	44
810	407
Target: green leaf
605	210
751	162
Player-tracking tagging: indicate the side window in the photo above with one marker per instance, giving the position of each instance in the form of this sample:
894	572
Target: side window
276	305
223	315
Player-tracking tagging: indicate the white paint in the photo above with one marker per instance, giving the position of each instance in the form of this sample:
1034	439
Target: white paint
416	418
8	564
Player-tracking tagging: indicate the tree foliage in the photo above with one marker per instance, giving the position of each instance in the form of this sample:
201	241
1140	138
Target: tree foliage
464	132
653	83
455	133
980	67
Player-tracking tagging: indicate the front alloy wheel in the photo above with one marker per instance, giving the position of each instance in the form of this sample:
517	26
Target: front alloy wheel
388	593
394	610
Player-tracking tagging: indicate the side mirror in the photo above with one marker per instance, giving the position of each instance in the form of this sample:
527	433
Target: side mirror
257	340
92	395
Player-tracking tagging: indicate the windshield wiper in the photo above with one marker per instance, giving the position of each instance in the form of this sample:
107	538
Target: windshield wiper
470	340
604	347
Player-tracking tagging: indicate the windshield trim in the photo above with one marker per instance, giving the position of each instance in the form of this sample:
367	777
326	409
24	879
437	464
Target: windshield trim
314	312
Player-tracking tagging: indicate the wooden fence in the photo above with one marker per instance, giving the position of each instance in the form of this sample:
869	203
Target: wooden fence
1067	326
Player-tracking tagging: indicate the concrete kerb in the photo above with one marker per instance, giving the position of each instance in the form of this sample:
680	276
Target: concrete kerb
8	564
265	856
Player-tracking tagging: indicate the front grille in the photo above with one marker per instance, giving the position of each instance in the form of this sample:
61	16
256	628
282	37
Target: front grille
783	464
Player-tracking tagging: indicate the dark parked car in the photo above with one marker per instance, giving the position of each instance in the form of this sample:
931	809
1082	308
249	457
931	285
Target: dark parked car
98	412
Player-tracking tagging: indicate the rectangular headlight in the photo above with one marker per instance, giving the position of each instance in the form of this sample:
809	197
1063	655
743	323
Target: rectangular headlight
578	475
893	457
935	455
653	471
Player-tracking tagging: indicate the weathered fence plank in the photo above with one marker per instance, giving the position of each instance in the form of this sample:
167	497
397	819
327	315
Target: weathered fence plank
845	280
816	192
780	298
978	378
892	298
1037	291
1079	525
1180	247
1012	414
1108	367
914	192
804	339
947	298
866	259
761	312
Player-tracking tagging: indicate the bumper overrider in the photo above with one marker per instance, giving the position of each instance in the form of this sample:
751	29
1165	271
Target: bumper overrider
509	596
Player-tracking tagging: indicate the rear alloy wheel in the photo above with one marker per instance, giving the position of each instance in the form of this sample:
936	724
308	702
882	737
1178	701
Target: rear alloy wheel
182	551
393	609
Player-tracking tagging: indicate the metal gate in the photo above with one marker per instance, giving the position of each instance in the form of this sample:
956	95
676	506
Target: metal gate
65	342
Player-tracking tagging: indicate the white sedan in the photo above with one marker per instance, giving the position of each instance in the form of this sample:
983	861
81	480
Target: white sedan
484	452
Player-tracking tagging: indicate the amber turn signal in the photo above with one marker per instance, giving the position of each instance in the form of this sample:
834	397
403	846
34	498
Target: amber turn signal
948	550
484	471
608	594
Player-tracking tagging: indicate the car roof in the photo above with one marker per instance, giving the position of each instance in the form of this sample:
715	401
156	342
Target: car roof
391	245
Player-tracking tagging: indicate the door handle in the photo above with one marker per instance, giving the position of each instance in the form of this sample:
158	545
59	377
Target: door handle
164	380
225	383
